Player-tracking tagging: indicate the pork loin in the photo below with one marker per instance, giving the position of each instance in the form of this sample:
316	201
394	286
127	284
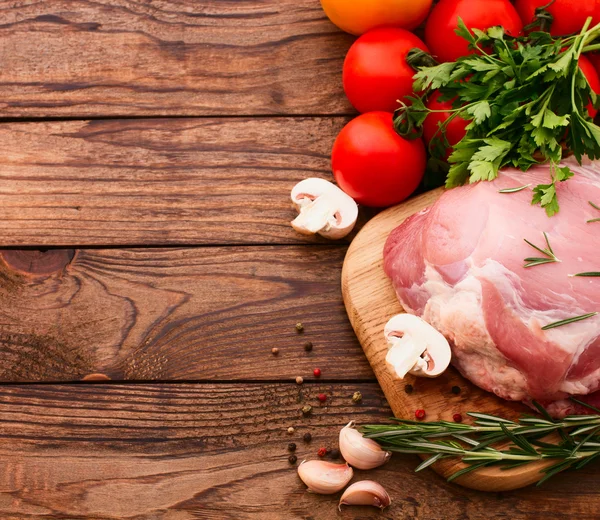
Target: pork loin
460	266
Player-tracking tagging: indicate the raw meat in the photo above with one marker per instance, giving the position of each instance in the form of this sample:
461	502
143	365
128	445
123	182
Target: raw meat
460	265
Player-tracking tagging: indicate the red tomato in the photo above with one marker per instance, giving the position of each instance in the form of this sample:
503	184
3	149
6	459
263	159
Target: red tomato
569	15
445	45
373	164
591	75
376	74
456	129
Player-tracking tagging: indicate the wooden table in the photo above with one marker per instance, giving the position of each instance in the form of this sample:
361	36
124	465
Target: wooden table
148	149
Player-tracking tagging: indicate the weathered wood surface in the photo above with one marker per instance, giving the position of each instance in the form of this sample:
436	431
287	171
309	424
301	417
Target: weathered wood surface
161	181
187	314
220	452
81	58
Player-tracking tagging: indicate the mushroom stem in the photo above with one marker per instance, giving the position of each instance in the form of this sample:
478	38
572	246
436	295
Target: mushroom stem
315	216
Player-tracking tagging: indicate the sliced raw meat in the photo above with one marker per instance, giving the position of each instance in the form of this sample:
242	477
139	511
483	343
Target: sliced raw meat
460	265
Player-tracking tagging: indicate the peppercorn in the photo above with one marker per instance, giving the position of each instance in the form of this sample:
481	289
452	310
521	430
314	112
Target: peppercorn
356	397
420	414
308	346
327	450
322	452
306	410
292	446
290	430
274	351
292	459
299	380
457	417
307	437
299	328
322	398
456	390
408	389
317	372
335	453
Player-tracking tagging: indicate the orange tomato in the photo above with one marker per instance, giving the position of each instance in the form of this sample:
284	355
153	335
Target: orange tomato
359	16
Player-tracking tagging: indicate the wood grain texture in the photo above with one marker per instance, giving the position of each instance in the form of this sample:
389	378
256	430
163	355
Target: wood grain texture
371	301
174	181
187	314
81	58
182	452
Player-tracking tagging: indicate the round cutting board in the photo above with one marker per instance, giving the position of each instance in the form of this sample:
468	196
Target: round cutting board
370	302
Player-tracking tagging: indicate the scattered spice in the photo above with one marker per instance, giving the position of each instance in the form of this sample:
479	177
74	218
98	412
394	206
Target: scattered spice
292	446
307	437
322	398
299	380
274	351
290	430
456	390
420	414
306	410
322	452
408	389
356	397
292	459
457	417
299	328
335	453
317	372
308	346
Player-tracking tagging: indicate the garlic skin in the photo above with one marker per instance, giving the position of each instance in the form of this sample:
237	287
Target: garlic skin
365	493
324	478
359	452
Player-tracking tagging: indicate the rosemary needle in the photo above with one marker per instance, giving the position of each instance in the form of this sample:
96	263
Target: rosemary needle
595	206
514	190
590	273
549	258
569	320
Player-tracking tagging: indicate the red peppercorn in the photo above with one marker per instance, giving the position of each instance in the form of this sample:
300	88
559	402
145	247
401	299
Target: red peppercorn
322	398
420	414
457	417
322	452
317	372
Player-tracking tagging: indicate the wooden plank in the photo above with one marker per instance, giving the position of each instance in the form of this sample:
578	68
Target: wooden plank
187	314
220	452
174	181
82	58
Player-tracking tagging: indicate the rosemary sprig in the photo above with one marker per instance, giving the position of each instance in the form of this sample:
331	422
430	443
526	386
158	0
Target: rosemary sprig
473	443
550	257
569	320
514	190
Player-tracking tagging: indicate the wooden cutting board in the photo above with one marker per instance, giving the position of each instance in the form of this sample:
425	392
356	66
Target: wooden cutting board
370	301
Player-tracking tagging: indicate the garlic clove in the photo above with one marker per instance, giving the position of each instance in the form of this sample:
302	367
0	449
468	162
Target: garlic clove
325	478
365	493
359	452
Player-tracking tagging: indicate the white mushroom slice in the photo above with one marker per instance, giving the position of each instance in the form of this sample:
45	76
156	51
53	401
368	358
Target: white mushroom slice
323	208
415	347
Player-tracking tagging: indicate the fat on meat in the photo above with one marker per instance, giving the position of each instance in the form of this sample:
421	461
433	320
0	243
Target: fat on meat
460	265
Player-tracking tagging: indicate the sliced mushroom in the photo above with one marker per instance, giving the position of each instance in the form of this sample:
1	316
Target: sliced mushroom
415	347
323	208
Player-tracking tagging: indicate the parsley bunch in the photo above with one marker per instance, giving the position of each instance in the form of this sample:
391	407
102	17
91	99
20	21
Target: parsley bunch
526	101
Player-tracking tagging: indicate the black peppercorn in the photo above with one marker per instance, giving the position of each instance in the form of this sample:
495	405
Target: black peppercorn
456	390
292	446
308	346
408	389
327	450
307	437
335	454
292	459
